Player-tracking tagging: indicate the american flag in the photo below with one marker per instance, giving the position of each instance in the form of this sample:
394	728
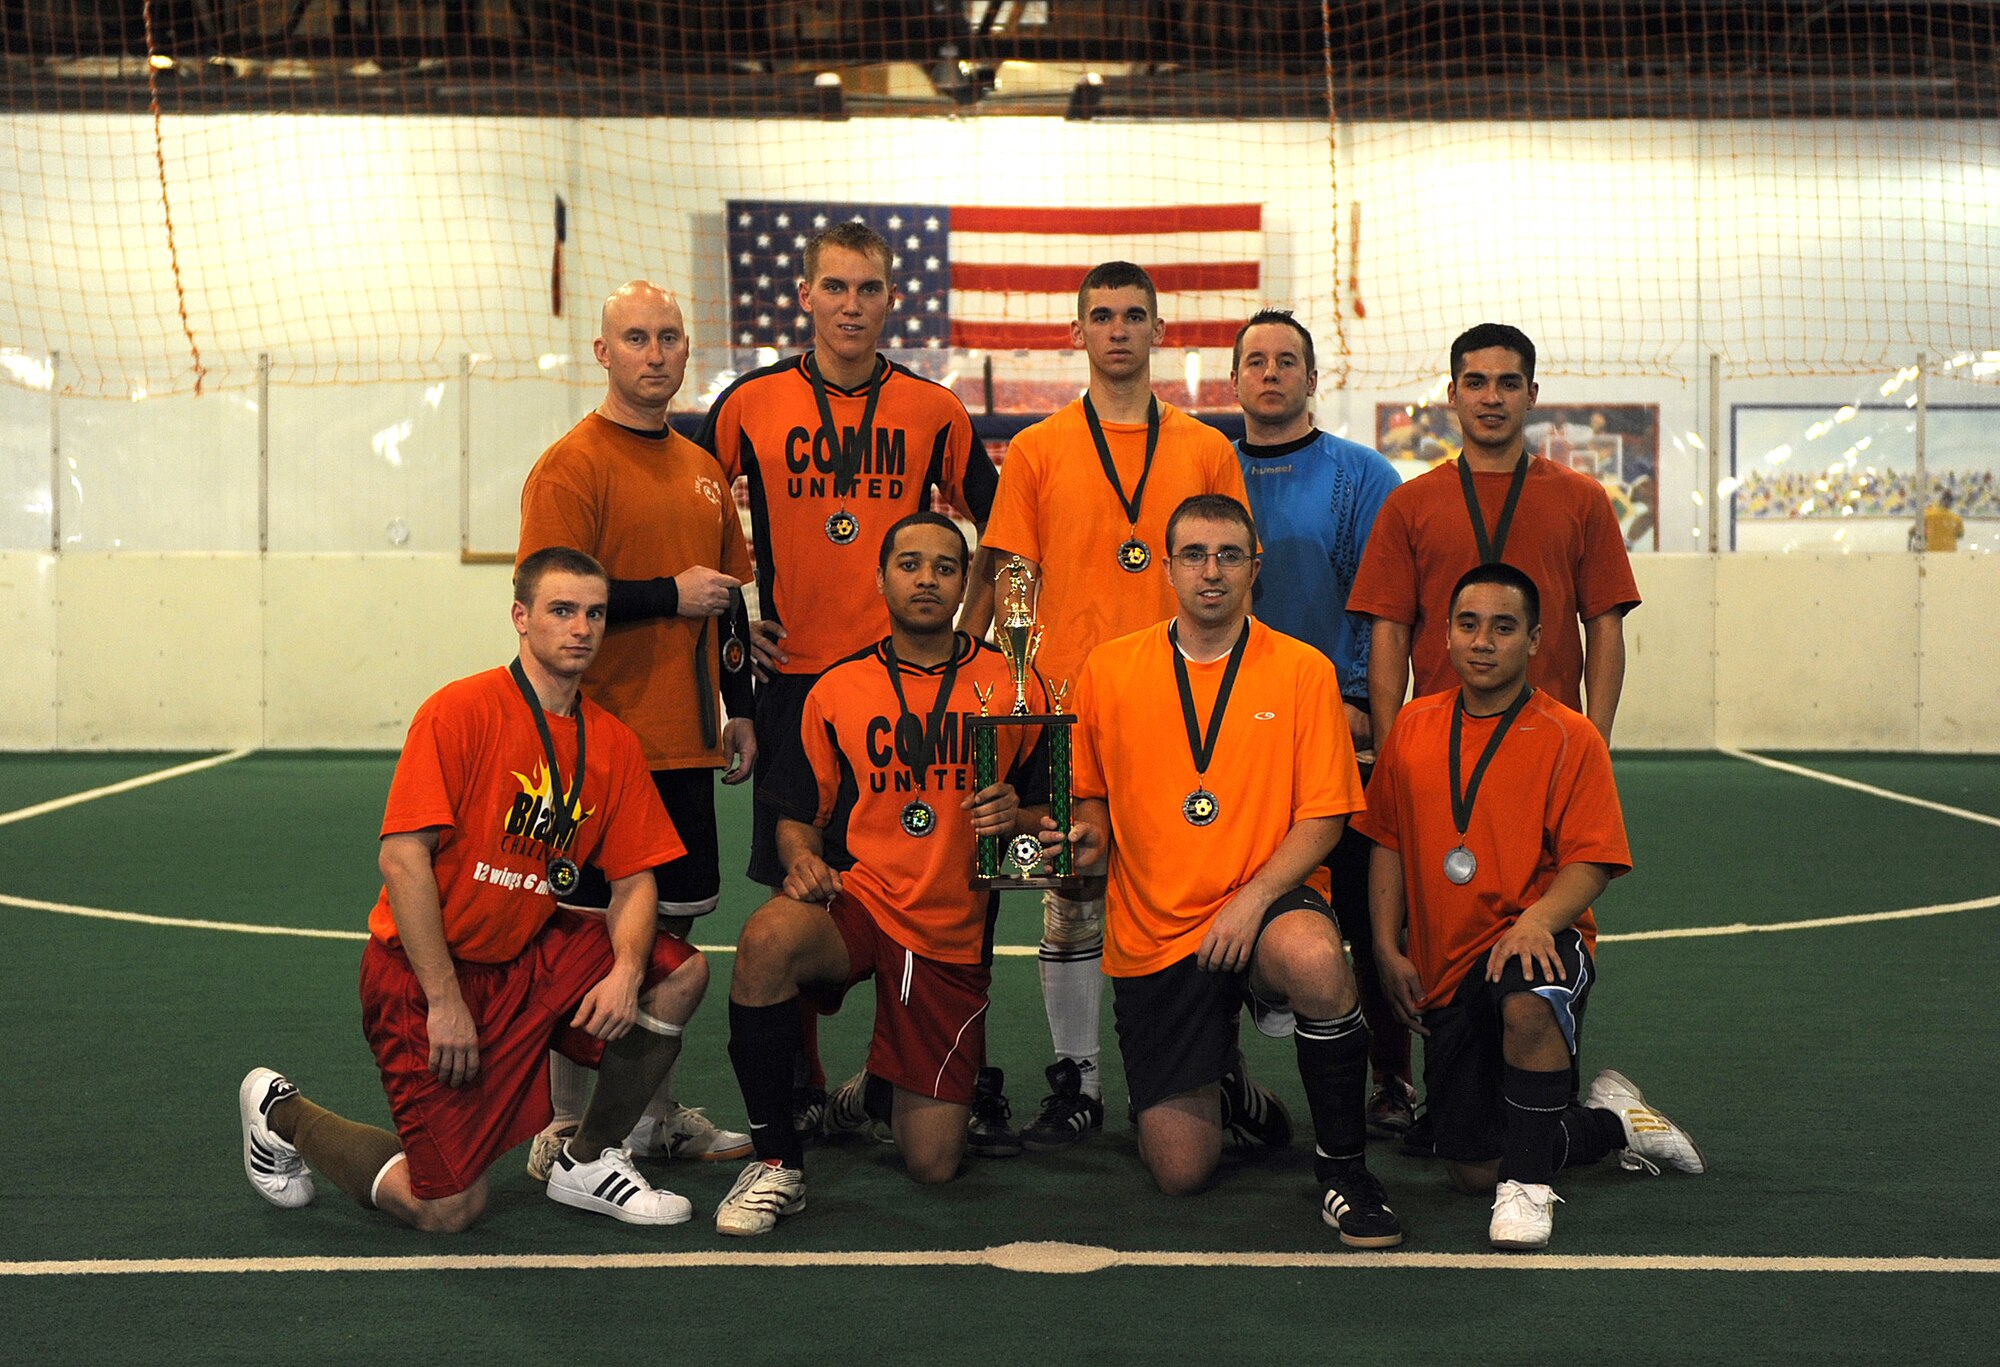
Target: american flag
1001	279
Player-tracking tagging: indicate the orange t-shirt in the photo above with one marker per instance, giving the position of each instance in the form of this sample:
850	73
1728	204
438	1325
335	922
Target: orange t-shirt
1283	756
1548	799
1564	536
646	507
1056	508
766	427
917	887
473	765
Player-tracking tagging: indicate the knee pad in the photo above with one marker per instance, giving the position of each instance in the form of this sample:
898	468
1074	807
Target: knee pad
1068	925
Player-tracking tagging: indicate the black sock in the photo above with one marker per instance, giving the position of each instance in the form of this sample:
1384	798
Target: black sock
1532	1108
1587	1135
763	1040
1333	1064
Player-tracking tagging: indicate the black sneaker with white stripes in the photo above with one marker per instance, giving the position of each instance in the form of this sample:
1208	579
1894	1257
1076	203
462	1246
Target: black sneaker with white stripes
1067	1115
1355	1204
1252	1116
989	1131
274	1167
610	1185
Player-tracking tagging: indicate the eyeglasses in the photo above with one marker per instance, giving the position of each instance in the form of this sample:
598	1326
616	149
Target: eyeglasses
1195	558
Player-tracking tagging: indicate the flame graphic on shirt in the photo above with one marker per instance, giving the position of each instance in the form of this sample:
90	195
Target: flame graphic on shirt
539	800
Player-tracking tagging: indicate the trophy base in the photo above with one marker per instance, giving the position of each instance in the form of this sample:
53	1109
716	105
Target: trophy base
1009	883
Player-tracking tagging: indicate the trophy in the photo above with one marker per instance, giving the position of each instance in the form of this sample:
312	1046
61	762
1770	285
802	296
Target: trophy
1022	863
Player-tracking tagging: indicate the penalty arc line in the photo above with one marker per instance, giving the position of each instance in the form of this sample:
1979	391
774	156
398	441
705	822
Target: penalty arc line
1800	771
124	786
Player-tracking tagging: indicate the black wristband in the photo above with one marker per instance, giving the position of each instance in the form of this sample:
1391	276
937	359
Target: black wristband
637	600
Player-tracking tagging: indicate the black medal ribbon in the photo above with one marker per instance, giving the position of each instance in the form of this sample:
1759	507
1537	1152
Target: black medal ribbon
1130	505
1200	746
930	736
847	454
1491	548
1461	802
563	820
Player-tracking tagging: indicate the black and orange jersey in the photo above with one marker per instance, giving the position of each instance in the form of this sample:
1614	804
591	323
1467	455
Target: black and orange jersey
766	427
913	876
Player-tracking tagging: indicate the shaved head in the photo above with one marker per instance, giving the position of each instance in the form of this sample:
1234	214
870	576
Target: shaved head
643	346
643	293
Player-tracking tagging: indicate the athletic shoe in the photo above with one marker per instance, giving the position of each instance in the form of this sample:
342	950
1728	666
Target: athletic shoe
686	1133
1252	1116
1392	1109
273	1166
1356	1205
1067	1115
1420	1140
989	1132
809	1110
1651	1140
1523	1215
610	1185
542	1150
847	1113
763	1192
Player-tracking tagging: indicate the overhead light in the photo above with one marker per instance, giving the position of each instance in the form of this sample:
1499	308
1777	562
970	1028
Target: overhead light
159	61
1085	99
832	96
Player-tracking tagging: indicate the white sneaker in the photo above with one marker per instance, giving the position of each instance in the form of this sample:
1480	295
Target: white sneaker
610	1185
686	1133
1651	1140
545	1146
847	1113
763	1192
273	1166
1523	1215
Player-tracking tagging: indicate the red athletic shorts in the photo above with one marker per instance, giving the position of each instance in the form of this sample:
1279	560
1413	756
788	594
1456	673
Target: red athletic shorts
522	1008
930	1017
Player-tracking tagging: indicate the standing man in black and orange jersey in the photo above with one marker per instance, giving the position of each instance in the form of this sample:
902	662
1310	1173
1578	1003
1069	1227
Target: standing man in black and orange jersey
1214	766
1084	498
653	509
837	445
885	737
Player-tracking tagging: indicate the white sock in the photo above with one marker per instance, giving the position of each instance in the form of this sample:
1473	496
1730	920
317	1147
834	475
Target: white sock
569	1089
1073	995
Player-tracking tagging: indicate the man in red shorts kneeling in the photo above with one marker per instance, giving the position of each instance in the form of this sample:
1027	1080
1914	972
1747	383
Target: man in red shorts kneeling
472	974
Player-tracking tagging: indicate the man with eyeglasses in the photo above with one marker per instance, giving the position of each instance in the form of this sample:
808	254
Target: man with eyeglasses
1216	896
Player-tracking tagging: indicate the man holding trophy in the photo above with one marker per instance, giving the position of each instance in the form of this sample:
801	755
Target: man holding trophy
1216	895
887	736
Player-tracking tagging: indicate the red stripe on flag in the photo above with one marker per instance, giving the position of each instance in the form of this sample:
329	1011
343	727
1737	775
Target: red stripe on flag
1199	275
1164	218
1055	336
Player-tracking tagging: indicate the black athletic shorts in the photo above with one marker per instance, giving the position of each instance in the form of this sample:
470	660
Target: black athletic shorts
1177	1026
1463	1062
781	705
692	884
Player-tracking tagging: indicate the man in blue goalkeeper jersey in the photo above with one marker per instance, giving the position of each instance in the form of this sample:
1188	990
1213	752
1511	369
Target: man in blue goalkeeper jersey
1315	497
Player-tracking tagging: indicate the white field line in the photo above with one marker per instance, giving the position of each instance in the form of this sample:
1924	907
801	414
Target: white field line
1837	781
124	786
1021	1257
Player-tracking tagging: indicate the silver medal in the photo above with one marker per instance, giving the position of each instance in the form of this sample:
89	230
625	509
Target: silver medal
1459	866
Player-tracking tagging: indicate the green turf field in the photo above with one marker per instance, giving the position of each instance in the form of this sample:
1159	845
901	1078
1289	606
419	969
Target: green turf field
1838	1076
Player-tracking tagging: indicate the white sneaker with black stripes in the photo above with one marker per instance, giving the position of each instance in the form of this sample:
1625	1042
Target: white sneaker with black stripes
610	1185
273	1166
763	1192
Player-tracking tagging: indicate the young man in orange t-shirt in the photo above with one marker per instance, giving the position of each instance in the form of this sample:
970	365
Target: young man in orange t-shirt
886	740
472	973
1084	498
654	509
1497	823
1213	765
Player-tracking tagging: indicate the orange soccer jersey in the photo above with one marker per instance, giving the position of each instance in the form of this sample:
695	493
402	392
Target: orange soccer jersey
1056	508
1283	756
646	507
473	765
767	427
1548	799
1564	537
918	887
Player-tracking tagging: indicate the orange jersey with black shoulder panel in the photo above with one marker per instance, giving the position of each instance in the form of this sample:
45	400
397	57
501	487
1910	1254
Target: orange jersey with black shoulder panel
766	427
846	756
1548	799
1055	507
646	507
1283	755
473	768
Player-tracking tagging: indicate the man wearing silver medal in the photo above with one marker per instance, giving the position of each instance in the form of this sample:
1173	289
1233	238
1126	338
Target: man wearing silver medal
1497	823
1217	750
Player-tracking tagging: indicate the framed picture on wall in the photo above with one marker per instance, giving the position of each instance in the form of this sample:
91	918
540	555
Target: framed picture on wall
1616	444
